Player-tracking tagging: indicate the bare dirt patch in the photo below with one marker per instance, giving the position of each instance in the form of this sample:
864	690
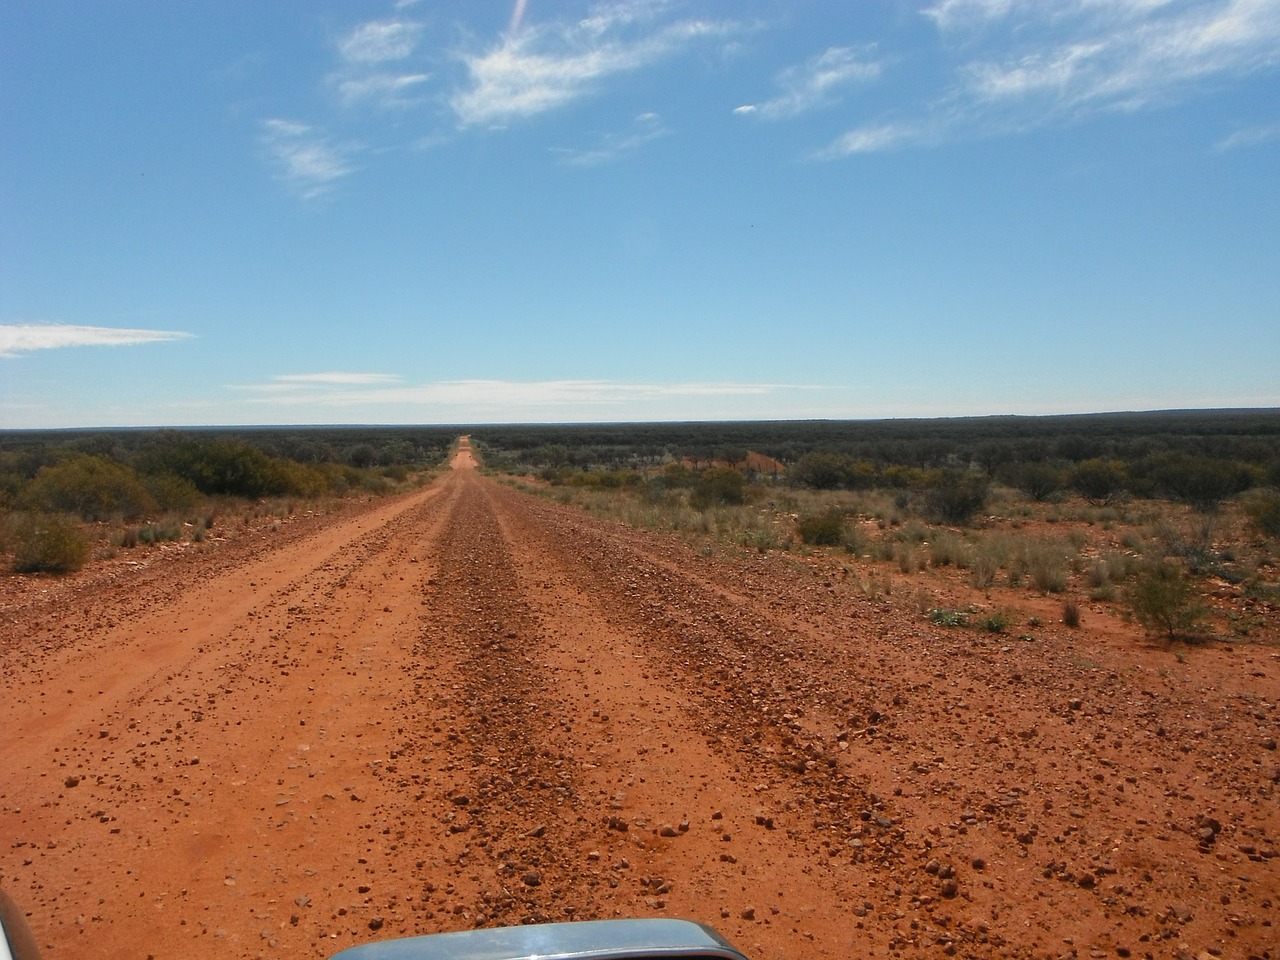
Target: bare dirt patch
467	706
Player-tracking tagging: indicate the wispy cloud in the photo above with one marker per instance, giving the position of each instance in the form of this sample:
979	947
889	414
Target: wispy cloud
380	41
1250	136
816	83
875	137
19	338
308	162
540	67
369	54
644	129
383	89
507	394
1027	64
333	378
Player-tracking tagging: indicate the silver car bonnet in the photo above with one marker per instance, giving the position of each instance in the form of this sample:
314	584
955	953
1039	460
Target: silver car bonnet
583	940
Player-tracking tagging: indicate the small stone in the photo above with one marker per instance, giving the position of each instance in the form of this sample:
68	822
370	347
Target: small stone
1269	743
71	782
748	914
667	830
949	888
532	879
375	923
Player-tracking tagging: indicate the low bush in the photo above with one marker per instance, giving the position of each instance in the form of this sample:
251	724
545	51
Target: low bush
822	529
718	486
92	488
1264	510
46	543
995	622
954	496
1163	599
1071	613
949	618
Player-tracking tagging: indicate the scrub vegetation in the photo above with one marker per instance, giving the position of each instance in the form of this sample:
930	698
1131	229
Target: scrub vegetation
1168	519
66	496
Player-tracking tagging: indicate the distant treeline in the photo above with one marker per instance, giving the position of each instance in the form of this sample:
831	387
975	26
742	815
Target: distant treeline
126	474
1251	436
1197	456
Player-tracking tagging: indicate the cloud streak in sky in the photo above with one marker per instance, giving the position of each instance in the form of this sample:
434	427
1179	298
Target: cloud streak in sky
382	389
20	338
368	57
1031	64
645	129
380	41
542	67
815	83
305	160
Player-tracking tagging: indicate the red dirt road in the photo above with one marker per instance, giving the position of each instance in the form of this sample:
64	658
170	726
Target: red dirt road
470	707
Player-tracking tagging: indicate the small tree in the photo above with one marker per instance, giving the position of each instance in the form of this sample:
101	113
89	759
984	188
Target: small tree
1163	599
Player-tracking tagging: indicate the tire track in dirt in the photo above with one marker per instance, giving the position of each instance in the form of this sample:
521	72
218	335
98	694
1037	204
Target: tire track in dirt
208	784
471	707
1024	796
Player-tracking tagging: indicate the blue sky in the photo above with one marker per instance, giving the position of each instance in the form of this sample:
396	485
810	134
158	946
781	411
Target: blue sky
240	212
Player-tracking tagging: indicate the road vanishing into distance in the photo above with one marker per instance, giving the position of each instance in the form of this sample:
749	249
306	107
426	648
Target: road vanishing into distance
470	706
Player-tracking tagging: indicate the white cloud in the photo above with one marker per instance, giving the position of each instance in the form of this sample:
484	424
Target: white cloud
544	66
873	138
363	74
488	394
1250	136
18	338
384	89
644	129
380	41
307	161
336	377
1030	63
1133	55
815	83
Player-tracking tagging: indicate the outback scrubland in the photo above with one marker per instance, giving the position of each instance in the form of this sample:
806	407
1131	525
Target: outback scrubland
1002	687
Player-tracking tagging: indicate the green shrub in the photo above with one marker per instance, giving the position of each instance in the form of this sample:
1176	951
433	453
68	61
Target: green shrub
954	496
1100	481
949	618
948	549
718	486
1264	509
46	543
92	488
1039	481
1203	482
1048	566
172	493
158	532
995	622
824	529
1163	599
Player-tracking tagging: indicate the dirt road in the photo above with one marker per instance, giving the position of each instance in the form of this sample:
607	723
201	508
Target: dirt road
471	707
